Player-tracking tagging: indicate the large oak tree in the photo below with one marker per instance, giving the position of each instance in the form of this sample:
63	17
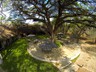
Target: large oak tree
54	13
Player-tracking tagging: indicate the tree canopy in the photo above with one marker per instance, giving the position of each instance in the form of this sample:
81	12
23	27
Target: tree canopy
54	13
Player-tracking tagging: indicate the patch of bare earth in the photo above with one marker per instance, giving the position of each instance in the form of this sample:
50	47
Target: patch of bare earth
87	59
5	32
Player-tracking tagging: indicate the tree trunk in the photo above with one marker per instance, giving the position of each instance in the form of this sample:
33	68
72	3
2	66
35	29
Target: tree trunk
77	40
52	37
95	40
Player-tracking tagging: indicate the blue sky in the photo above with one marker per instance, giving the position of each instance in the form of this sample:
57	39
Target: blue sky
7	13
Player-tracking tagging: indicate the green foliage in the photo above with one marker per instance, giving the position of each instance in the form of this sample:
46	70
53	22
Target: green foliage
41	36
17	59
2	17
92	33
58	43
74	60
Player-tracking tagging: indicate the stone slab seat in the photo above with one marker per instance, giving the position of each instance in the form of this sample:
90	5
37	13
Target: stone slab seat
65	63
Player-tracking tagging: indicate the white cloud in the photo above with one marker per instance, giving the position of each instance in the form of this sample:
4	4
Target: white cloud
29	21
7	14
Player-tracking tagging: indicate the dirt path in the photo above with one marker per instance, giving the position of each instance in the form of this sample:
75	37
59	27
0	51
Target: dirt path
87	61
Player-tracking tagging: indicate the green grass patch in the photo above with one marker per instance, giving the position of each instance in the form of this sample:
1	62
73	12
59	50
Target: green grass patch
58	43
17	59
41	36
74	60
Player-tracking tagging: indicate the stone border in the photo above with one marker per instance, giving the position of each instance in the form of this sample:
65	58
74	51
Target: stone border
41	58
71	58
1	59
77	53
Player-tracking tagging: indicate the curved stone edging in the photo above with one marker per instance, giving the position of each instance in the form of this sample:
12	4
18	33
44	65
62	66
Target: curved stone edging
73	56
77	53
40	58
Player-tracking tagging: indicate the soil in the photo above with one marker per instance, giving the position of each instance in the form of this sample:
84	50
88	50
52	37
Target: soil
87	59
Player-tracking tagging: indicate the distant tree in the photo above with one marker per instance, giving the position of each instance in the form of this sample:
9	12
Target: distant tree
92	34
76	31
61	11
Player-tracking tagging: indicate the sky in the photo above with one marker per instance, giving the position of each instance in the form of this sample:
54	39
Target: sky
7	14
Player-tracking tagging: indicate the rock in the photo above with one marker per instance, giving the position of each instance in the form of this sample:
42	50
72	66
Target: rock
1	61
35	41
65	61
80	65
47	46
30	35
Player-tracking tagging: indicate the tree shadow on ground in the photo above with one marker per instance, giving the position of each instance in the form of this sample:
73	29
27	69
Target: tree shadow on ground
90	42
90	50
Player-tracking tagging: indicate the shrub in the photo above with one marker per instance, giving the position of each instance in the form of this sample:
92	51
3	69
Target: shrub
42	36
58	43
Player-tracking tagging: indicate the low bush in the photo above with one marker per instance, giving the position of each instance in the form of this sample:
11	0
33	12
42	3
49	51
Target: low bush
42	36
58	43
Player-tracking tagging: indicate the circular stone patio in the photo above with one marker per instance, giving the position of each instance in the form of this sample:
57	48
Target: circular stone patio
60	57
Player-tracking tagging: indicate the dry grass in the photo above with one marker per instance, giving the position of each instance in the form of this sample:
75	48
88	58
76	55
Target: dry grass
5	32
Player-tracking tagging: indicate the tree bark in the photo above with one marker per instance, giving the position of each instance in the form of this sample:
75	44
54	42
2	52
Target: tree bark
52	37
95	40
